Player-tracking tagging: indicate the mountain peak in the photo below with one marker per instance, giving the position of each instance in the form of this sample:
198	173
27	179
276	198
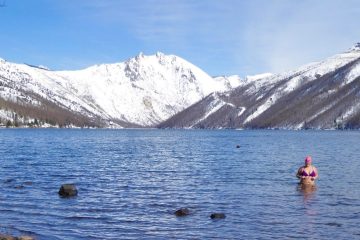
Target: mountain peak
160	54
140	55
356	47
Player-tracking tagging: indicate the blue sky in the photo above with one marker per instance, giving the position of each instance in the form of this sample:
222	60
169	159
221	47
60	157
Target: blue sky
223	37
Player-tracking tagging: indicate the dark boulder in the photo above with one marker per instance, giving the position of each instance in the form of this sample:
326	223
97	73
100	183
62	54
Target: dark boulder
237	146
182	212
10	180
217	216
68	190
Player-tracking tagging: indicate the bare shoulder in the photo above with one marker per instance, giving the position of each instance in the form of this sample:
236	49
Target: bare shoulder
299	171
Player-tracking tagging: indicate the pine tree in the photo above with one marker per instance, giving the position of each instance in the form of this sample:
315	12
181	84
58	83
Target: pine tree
16	123
8	123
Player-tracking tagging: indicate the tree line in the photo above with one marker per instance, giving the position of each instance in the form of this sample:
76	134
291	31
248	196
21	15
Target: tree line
22	113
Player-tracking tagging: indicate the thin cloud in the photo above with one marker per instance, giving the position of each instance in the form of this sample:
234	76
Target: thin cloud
294	34
228	36
170	21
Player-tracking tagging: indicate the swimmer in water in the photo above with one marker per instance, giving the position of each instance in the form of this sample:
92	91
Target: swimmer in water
307	173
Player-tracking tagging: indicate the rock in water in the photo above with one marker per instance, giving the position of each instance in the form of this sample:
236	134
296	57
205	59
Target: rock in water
25	238
182	212
237	146
10	180
8	237
68	190
217	216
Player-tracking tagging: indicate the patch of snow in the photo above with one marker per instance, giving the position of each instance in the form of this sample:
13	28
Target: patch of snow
235	81
320	112
43	67
241	111
353	74
262	108
230	82
256	77
299	126
351	111
212	108
348	113
356	47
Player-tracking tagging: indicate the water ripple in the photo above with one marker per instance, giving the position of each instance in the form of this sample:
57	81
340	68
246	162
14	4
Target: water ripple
130	183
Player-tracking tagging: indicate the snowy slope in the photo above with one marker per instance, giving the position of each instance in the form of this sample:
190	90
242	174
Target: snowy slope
301	76
316	93
142	91
24	78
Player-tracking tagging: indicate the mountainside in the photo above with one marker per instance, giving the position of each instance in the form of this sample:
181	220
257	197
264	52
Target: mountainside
167	91
140	92
322	95
29	97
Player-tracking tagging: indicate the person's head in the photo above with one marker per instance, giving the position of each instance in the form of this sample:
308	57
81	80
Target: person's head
308	161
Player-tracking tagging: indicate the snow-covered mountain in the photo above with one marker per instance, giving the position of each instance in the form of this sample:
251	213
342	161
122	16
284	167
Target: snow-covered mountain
142	91
323	94
167	91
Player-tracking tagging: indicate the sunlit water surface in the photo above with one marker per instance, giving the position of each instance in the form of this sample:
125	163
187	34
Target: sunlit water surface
130	183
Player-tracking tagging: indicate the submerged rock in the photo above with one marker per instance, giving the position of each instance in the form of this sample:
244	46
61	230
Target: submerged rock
10	180
68	190
8	237
25	238
217	216
237	146
182	212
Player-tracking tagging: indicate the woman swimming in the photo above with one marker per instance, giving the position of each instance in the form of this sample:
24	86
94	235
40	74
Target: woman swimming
307	173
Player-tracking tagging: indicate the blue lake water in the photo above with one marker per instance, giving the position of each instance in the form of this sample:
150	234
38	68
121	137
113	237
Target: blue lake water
130	183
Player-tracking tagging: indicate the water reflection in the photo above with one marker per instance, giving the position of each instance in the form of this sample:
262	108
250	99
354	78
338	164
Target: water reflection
131	182
307	191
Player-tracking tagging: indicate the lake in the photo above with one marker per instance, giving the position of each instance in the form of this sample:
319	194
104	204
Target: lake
130	182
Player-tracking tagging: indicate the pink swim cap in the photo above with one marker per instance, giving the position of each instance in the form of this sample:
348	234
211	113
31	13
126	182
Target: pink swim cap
308	159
